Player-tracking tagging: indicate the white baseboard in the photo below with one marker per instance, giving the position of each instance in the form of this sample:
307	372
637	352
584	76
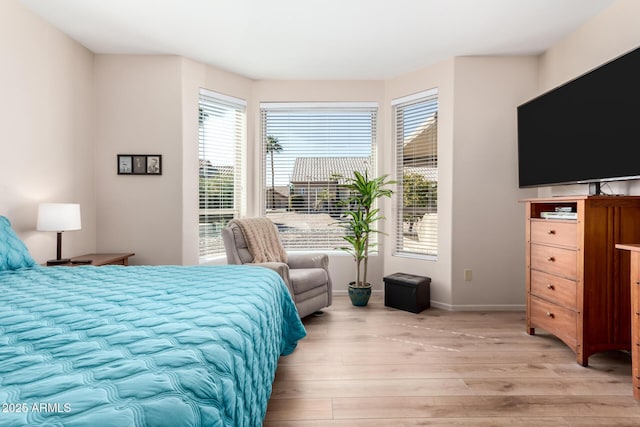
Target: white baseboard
479	307
455	307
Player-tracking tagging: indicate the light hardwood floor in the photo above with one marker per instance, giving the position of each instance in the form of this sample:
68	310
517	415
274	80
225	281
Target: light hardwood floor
377	366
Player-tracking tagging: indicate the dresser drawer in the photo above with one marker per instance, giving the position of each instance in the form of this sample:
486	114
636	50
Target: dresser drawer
558	261
557	320
553	288
555	233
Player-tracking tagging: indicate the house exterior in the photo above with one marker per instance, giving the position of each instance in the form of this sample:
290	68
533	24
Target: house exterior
421	147
420	171
316	182
278	198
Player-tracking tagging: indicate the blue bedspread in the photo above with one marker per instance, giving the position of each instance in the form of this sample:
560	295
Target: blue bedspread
141	346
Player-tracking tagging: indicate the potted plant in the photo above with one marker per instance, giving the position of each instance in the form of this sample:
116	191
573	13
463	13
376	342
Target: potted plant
361	215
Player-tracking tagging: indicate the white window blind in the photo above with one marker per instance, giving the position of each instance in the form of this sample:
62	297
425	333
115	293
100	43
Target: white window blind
416	135
222	124
309	152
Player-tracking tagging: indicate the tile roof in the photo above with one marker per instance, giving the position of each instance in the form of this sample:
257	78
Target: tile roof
320	169
209	170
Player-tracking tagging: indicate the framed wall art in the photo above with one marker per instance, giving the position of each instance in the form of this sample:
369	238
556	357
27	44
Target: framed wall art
139	164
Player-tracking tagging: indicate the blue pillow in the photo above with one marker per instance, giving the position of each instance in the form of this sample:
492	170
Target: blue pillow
13	253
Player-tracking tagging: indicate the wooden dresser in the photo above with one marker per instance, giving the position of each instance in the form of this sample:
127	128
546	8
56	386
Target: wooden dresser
635	315
577	282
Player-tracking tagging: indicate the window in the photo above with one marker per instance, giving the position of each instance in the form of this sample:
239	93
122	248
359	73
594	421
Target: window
309	152
221	123
416	135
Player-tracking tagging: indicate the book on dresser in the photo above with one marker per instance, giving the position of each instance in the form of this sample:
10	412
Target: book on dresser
559	215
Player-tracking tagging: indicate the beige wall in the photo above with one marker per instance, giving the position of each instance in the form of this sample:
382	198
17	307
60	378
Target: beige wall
195	76
439	76
606	36
139	100
149	105
46	129
488	221
480	222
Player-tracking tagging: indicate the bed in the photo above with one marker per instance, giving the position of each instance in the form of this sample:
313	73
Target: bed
138	346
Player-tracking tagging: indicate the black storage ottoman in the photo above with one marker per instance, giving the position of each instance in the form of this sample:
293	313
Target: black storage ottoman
407	292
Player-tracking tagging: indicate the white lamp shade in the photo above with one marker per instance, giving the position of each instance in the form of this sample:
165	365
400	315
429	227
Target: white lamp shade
59	217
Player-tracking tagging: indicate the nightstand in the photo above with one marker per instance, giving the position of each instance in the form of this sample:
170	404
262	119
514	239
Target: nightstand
102	259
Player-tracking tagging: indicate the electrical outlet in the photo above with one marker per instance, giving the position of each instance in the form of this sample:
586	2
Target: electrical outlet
467	275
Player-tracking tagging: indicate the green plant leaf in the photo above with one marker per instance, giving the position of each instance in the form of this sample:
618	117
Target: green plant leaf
362	215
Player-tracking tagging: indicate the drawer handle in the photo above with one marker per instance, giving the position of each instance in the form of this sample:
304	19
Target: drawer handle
550	286
550	314
551	259
551	232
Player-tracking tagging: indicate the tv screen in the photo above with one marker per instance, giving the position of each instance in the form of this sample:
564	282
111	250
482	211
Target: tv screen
587	130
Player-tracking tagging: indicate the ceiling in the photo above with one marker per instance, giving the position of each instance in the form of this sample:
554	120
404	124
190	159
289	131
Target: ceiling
318	39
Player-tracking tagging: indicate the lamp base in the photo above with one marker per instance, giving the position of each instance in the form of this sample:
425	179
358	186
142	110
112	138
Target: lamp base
58	261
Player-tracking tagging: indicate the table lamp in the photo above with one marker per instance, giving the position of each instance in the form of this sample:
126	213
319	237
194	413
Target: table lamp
58	217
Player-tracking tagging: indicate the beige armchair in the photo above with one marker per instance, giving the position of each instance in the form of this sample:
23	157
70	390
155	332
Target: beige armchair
306	275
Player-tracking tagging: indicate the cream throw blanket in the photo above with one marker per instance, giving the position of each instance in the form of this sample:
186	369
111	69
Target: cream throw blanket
262	239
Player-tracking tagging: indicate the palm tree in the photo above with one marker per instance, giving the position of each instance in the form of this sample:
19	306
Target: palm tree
273	146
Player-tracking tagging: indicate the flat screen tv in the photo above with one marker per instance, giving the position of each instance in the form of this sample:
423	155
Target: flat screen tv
585	131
